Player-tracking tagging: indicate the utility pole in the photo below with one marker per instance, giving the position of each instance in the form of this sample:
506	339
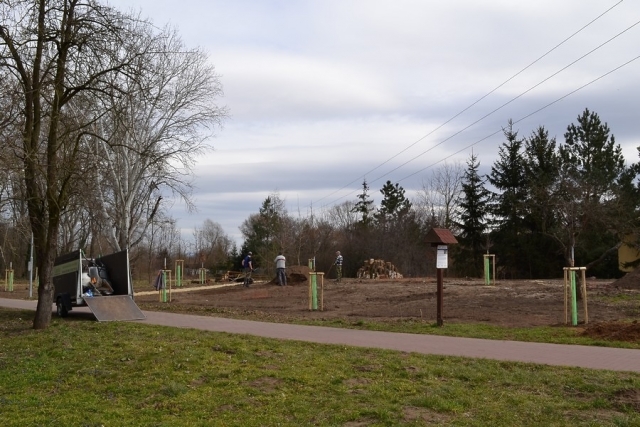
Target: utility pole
31	269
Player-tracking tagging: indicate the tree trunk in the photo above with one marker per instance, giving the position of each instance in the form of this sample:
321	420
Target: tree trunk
42	318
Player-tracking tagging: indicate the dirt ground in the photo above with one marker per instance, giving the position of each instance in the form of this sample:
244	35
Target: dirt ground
612	309
522	303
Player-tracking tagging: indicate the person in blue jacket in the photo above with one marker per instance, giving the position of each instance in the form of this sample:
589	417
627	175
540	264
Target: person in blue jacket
247	267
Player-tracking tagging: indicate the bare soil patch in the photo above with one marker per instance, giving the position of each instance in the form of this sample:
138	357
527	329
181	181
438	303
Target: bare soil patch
612	309
509	303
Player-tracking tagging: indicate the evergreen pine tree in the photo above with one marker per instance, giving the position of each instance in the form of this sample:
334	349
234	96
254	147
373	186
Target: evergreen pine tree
394	203
509	202
364	206
542	172
472	220
593	156
592	165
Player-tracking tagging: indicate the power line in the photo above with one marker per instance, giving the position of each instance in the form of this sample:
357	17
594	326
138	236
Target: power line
524	118
515	122
511	100
470	106
500	130
495	110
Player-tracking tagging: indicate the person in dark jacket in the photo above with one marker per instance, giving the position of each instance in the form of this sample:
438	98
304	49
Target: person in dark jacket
247	266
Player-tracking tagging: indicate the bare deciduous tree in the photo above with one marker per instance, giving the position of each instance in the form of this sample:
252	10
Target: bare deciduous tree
342	216
437	201
158	123
212	245
53	52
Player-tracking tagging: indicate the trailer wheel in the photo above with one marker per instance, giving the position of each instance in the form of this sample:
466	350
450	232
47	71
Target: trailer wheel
61	310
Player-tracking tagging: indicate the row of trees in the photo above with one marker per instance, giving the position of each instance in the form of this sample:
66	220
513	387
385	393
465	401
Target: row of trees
543	206
528	218
358	229
100	113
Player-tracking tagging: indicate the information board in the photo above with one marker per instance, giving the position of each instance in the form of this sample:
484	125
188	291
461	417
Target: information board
441	259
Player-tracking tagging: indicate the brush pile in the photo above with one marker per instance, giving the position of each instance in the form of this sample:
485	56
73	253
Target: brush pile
378	269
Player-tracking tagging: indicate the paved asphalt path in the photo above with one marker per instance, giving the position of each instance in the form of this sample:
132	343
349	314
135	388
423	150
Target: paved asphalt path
615	359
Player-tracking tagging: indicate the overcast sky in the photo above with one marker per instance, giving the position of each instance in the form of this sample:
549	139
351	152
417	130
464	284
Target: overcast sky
323	94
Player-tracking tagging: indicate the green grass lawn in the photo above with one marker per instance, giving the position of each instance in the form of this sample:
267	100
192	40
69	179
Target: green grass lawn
85	373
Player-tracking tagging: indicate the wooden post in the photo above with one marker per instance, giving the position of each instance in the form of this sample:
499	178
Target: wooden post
439	321
321	275
584	295
440	238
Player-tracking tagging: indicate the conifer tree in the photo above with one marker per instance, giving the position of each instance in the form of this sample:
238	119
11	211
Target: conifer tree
364	206
592	156
508	204
592	167
394	203
472	220
542	171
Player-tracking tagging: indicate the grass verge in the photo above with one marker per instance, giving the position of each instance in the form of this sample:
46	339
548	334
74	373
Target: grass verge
85	373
